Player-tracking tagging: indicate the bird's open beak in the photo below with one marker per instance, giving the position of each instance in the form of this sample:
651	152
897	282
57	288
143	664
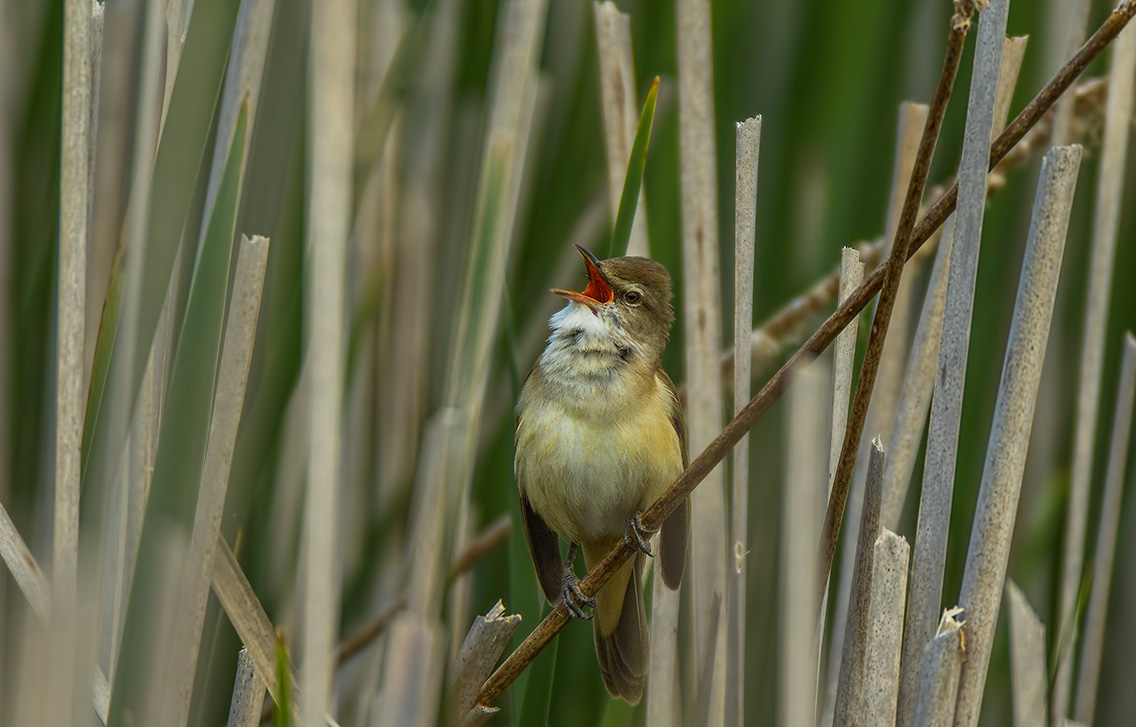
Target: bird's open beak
598	292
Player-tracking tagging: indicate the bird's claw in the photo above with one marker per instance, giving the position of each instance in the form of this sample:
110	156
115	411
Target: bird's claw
574	599
638	537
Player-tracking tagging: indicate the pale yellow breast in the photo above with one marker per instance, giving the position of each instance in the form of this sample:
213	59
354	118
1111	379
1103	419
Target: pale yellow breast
586	471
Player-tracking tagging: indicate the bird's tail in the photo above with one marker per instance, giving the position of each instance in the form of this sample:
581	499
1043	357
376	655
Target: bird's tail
620	625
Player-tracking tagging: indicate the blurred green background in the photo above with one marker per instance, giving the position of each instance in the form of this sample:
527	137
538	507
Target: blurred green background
826	76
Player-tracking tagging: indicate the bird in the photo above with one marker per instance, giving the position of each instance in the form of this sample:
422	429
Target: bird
600	435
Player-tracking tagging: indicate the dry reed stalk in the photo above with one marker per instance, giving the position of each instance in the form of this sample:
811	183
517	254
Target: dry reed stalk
881	412
1028	680
36	589
939	678
844	360
331	116
850	688
248	694
1077	24
24	569
768	338
1029	116
996	510
228	401
75	165
487	638
403	379
702	317
242	81
892	272
946	407
7	317
918	382
748	146
617	89
177	23
885	635
922	364
247	616
410	690
110	163
1106	223
1105	553
447	456
801	504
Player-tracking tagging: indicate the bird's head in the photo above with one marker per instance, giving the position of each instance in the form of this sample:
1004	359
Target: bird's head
630	296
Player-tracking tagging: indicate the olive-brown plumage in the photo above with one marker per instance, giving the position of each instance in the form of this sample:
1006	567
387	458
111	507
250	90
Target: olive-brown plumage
600	435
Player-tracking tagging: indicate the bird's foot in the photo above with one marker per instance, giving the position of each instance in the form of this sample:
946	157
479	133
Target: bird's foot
574	599
638	537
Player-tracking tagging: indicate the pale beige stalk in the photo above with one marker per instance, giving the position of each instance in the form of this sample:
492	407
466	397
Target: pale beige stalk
1106	224
75	166
801	505
228	401
487	638
885	396
748	145
620	114
1093	645
330	155
702	316
930	553
1028	679
1000	488
939	678
844	360
248	694
885	634
850	689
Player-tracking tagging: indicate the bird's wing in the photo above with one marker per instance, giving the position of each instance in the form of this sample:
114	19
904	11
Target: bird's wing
676	528
545	549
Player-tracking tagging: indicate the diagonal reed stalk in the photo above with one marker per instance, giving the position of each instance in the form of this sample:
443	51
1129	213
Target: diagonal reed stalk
1028	680
1093	644
519	660
946	407
892	271
989	550
1106	227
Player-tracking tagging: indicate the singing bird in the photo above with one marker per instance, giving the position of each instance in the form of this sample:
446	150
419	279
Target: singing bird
600	435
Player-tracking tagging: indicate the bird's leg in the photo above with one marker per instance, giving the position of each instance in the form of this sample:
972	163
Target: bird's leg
574	599
638	537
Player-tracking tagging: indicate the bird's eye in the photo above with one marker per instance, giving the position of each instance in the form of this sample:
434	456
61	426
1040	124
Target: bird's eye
632	297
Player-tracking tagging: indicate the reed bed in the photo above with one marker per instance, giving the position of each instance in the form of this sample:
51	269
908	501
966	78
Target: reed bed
245	482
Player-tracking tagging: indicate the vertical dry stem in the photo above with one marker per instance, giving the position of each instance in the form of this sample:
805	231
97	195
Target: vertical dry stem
946	407
332	121
998	494
745	221
800	507
1106	222
1028	680
703	327
617	88
1093	644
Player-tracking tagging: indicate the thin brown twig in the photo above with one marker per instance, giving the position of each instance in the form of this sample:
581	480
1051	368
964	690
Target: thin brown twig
520	659
1090	97
893	270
